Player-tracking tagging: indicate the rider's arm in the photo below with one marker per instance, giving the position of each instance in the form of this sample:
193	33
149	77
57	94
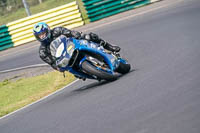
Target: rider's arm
46	57
64	31
78	35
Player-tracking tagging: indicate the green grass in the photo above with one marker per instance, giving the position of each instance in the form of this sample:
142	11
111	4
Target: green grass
21	13
16	94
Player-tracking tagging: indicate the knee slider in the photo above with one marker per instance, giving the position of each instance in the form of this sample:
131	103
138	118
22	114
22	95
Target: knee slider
87	37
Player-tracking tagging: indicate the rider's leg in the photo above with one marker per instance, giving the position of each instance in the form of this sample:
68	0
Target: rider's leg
110	47
95	38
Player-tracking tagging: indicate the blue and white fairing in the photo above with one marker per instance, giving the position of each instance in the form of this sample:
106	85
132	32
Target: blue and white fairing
62	49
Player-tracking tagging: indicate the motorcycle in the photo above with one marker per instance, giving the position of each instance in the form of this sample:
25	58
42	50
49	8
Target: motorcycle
87	60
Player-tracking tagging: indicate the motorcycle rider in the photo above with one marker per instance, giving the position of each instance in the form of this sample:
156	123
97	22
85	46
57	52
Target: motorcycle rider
45	35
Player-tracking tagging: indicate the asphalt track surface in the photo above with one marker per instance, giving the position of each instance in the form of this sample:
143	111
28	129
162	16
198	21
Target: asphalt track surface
161	96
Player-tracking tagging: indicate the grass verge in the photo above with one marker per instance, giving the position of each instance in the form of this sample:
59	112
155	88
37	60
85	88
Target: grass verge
16	94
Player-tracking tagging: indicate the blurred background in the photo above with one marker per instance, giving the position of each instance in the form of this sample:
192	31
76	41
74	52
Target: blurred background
11	10
8	6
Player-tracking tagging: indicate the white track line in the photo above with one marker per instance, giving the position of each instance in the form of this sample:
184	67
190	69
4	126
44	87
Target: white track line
26	67
38	100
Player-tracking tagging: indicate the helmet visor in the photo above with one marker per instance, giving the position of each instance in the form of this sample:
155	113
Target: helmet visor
42	35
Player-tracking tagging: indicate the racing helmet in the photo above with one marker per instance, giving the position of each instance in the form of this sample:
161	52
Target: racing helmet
42	32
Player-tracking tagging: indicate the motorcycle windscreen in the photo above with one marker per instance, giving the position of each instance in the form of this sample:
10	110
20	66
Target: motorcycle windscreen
62	49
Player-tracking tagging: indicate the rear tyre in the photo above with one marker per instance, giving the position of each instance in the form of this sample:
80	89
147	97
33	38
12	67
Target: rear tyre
123	68
91	69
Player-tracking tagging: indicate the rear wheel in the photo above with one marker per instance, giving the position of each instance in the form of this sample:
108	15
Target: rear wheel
92	70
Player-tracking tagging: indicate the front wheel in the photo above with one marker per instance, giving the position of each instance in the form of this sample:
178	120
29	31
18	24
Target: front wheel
92	70
123	68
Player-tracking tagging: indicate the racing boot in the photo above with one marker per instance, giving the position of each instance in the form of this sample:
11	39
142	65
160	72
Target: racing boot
110	47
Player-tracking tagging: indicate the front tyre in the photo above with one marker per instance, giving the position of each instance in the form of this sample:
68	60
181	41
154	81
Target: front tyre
92	70
123	68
